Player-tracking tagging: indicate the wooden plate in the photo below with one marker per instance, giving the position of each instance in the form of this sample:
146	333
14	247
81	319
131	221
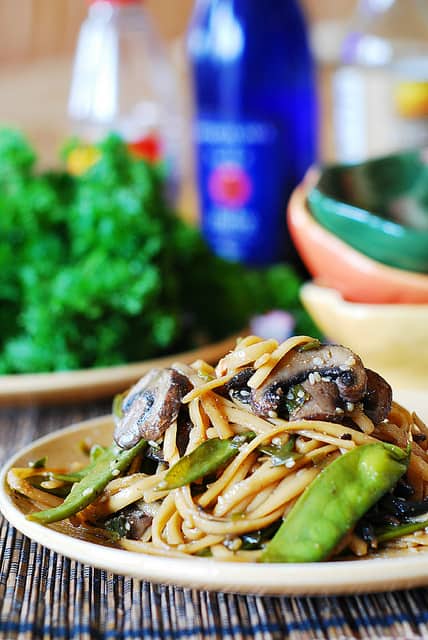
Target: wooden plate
91	384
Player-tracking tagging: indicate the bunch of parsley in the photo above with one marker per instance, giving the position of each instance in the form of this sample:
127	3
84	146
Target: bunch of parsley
97	270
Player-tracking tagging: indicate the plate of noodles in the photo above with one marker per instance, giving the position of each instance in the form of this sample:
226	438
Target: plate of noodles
285	469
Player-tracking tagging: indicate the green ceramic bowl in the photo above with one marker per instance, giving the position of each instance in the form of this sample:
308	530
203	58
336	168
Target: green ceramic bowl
379	207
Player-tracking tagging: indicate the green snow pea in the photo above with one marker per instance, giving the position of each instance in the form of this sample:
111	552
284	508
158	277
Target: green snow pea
104	468
331	505
210	456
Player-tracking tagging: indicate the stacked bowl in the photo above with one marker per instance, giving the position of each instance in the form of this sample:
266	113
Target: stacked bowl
362	233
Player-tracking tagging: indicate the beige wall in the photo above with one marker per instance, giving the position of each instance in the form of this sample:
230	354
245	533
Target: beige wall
37	38
34	29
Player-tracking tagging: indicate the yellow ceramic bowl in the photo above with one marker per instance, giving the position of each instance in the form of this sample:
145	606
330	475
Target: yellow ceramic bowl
391	339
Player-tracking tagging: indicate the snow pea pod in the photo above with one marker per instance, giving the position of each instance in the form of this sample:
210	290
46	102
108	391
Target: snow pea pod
331	505
210	456
107	466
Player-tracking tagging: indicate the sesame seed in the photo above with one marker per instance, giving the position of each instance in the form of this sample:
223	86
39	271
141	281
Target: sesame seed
277	442
272	414
290	395
344	367
300	393
326	379
317	361
311	378
317	376
233	544
289	463
127	526
87	492
350	406
338	411
115	472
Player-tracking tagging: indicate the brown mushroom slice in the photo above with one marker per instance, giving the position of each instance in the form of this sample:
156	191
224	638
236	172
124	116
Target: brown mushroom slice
378	399
331	363
138	389
319	401
133	521
137	524
237	387
151	406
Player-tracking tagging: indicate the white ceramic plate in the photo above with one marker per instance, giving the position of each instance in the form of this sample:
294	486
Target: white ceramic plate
89	384
376	574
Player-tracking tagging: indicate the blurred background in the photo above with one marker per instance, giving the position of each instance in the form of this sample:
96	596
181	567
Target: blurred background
38	38
252	109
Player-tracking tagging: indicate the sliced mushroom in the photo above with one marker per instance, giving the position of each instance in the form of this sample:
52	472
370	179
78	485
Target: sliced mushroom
378	399
319	401
151	406
137	523
238	388
134	520
329	363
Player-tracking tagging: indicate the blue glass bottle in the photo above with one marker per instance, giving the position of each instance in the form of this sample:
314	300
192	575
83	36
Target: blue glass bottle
255	121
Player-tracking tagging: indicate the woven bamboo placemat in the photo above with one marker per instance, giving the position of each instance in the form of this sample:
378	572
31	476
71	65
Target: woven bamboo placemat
44	595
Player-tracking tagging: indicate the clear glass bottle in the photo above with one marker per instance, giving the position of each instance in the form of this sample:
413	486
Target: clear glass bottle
123	82
380	87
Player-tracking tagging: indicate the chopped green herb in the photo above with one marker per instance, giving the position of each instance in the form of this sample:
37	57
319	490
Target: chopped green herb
308	346
282	454
296	397
38	464
396	531
116	527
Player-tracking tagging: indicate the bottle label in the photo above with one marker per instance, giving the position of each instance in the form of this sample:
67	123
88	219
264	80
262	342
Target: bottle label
242	189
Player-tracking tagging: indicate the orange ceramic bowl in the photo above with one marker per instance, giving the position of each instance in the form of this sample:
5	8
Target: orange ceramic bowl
334	264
